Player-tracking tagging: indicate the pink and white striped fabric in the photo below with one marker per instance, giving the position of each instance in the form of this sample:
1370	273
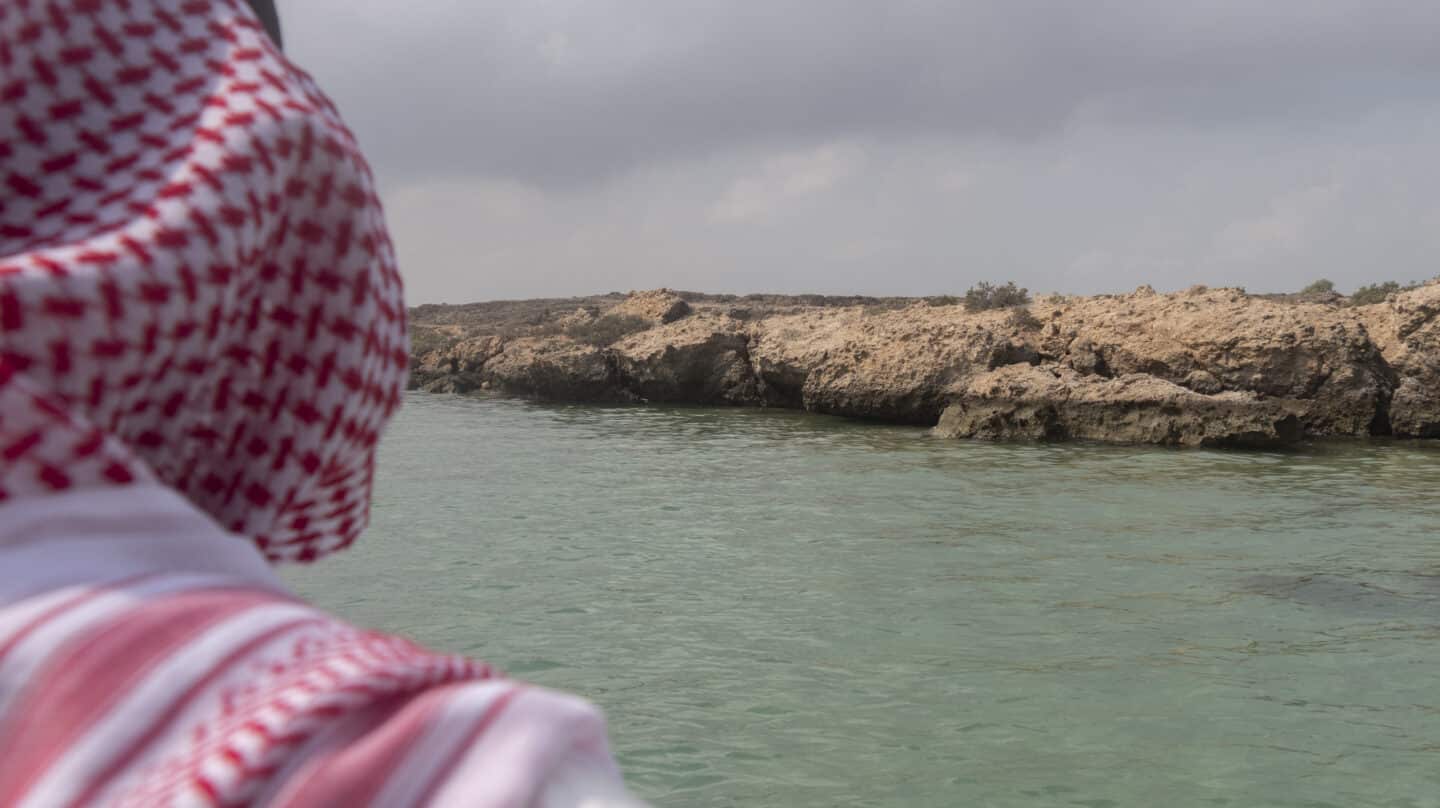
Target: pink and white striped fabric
148	658
201	337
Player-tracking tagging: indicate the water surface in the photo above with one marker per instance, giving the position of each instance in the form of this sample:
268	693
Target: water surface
790	610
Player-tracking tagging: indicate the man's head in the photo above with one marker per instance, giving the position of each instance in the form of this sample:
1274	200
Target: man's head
204	299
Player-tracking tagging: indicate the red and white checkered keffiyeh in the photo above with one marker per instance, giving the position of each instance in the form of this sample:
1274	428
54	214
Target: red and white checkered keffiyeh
196	285
201	336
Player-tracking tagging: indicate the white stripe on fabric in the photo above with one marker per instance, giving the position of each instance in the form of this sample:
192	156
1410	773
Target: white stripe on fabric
452	725
141	784
22	663
15	619
536	734
118	728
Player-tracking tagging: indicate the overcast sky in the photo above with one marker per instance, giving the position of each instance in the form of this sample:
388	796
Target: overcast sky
554	147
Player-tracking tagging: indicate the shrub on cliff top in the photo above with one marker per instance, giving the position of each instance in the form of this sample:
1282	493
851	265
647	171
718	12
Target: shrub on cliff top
1376	293
1319	287
607	330
984	296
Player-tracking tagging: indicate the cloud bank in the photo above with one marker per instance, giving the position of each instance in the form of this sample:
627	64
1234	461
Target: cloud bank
904	147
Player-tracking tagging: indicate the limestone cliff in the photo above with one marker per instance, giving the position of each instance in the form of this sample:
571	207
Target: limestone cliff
1201	367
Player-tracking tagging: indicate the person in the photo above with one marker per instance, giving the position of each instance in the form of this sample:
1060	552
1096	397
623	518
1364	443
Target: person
202	335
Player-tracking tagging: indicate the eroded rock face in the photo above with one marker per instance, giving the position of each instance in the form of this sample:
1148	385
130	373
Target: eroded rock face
1029	403
1198	368
1406	329
1217	340
556	370
702	359
894	366
457	369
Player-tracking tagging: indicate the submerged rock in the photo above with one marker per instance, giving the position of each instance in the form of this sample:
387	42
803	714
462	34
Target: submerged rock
1349	594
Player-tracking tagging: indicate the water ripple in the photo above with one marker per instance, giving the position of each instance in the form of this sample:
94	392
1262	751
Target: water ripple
784	609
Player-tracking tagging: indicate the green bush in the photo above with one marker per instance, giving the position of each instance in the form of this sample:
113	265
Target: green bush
607	330
1321	286
1374	293
984	296
942	300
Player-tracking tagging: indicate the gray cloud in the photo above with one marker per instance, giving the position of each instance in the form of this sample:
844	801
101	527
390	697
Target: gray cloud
889	146
563	92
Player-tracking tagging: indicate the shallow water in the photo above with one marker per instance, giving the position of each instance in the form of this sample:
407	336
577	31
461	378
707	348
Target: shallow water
782	609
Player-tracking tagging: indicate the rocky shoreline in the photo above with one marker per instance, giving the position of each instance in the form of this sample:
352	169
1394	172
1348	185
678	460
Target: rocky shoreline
1203	367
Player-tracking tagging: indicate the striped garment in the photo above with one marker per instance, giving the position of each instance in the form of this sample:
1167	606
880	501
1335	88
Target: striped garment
202	335
149	658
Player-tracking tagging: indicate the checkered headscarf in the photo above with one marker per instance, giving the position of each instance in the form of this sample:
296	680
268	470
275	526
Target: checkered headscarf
196	285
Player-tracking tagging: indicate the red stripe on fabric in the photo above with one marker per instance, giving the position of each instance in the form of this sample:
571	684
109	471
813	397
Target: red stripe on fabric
11	312
166	717
274	698
60	608
96	670
351	771
458	753
21	446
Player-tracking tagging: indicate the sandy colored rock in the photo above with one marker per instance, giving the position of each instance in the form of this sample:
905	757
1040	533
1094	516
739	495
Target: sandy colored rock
1203	367
1216	340
1029	403
704	358
1406	329
893	365
456	369
578	317
660	306
556	369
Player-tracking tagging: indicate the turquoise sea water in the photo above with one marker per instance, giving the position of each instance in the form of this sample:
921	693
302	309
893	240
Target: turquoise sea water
791	610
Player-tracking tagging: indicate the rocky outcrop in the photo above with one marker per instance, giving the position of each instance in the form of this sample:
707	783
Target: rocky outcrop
1196	368
1030	403
660	306
1215	341
703	359
1406	330
555	370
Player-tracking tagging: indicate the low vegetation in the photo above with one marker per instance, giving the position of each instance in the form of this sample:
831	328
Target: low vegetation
1320	287
607	330
424	339
1377	292
984	296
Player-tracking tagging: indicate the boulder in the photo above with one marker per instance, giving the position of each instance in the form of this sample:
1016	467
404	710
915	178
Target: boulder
660	306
